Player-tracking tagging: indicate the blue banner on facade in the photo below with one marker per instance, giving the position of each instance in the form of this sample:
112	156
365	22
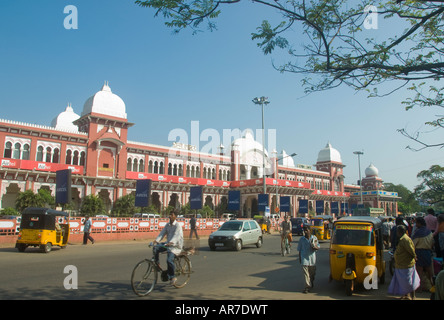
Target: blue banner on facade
303	206
196	198
285	204
63	186
319	206
234	200
262	202
143	188
335	207
344	207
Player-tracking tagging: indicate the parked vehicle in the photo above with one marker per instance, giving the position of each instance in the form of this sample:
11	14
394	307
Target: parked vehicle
228	216
44	228
235	234
298	224
356	248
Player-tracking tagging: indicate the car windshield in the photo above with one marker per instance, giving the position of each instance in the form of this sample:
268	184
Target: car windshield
353	235
232	226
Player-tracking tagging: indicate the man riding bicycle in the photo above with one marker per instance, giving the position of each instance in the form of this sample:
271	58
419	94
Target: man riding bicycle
286	229
173	246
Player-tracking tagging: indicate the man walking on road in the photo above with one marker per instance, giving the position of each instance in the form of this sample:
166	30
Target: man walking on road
307	247
87	231
193	227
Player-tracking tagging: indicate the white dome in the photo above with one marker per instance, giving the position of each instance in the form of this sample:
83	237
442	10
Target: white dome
65	119
105	102
371	171
329	154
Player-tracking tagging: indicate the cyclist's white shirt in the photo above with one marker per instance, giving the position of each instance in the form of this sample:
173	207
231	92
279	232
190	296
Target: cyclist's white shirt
174	234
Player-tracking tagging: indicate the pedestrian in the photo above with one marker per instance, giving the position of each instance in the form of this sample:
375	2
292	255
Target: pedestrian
193	227
439	286
431	220
423	241
405	280
87	231
386	226
432	224
307	247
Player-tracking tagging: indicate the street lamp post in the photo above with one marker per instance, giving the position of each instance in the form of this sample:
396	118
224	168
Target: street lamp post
262	101
359	153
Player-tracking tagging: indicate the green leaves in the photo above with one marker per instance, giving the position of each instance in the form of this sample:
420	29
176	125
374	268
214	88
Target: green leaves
270	37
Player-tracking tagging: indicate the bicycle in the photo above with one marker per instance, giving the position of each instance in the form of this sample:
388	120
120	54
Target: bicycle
285	245
145	273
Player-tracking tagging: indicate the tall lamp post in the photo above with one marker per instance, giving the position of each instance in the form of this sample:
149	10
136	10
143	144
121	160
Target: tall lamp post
262	101
359	153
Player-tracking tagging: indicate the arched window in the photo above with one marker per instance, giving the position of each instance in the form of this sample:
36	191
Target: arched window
17	150
39	155
82	158
68	156
129	164
170	169
135	165
8	150
150	166
25	153
48	154
141	166
75	158
55	156
161	168
156	167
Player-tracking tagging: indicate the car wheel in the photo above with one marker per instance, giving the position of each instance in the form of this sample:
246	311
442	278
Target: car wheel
259	242
238	245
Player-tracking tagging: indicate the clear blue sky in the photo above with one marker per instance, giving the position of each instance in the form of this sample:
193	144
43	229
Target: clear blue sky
167	81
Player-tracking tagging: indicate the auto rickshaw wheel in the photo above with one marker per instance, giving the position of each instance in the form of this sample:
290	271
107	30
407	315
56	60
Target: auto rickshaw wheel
46	248
348	287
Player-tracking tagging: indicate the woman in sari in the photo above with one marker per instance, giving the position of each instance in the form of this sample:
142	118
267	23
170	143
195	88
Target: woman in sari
405	279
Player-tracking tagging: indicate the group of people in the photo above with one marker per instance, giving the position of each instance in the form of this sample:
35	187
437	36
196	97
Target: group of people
414	246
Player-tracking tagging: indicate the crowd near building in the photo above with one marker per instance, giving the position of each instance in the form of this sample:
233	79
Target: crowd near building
95	146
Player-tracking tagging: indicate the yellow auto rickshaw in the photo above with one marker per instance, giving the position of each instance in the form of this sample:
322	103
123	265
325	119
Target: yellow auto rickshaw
356	252
44	228
321	226
263	222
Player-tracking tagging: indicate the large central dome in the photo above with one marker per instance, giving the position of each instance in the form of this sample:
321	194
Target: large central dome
105	102
329	154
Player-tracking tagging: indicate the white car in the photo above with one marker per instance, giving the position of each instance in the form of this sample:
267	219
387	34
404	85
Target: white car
236	234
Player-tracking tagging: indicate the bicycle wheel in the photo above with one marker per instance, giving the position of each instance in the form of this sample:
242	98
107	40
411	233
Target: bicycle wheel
144	277
183	271
283	247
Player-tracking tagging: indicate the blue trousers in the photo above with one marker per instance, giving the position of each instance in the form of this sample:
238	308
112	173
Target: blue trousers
170	259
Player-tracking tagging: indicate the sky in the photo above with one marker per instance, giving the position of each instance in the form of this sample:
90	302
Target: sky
169	80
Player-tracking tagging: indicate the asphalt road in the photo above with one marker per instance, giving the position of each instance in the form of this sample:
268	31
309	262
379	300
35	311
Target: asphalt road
104	271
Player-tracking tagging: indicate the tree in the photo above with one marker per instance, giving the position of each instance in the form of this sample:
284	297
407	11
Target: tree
124	206
336	51
431	189
92	205
408	202
28	198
